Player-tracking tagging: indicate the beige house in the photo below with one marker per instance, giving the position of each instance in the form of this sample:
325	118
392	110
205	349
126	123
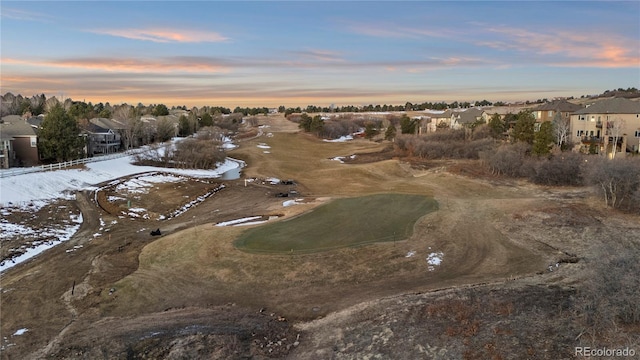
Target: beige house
547	111
431	120
607	125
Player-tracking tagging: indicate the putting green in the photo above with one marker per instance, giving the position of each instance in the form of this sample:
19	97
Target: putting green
341	223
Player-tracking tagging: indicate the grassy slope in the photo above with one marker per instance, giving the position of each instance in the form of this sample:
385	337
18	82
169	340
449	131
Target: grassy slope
342	222
201	266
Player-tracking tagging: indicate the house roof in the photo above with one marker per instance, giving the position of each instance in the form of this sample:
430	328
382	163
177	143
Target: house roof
560	105
439	114
13	126
96	129
469	116
612	106
107	123
35	120
504	110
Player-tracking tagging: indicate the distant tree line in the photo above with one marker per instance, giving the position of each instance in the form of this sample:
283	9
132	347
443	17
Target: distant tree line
385	108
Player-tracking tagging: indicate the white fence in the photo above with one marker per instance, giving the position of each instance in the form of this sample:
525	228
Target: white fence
66	164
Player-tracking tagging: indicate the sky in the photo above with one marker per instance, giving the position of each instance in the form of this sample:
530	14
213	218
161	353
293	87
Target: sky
297	53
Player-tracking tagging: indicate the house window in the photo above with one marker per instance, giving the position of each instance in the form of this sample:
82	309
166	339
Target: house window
581	118
550	113
593	118
638	133
33	142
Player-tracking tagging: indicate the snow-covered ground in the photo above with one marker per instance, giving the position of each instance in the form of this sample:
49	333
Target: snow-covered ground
19	189
32	191
61	236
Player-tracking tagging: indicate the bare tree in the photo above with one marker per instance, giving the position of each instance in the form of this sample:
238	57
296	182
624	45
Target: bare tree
125	115
561	128
615	129
166	130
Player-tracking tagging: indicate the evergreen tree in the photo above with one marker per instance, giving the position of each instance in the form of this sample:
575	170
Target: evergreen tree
408	126
496	126
523	131
370	131
317	124
543	139
305	122
184	127
206	120
59	136
160	110
390	134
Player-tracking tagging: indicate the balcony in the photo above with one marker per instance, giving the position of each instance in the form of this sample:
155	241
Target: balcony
591	140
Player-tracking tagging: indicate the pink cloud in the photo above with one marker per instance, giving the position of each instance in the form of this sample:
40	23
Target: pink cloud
582	50
164	35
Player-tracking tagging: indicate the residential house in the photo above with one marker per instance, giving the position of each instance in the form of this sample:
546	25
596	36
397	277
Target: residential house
469	116
115	126
433	119
503	111
101	141
607	124
19	142
547	111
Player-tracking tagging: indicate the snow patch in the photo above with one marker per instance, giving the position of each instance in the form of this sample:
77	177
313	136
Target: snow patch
251	223
20	331
238	221
434	259
273	181
292	202
340	139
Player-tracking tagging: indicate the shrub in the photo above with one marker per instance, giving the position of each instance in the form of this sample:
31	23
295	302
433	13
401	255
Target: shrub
609	296
446	135
561	170
507	160
617	181
427	147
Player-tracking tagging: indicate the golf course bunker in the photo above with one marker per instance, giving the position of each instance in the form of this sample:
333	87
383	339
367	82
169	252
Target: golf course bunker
341	223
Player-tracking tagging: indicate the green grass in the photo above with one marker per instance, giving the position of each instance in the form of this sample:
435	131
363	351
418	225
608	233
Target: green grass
341	223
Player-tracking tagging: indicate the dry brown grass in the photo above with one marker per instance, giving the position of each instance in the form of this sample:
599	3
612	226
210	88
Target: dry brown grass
200	265
488	233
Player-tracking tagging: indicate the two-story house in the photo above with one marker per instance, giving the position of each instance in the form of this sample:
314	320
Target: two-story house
547	111
467	117
101	141
19	142
433	119
608	124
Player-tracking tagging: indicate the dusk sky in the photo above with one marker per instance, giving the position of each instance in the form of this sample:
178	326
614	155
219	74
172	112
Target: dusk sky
317	52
